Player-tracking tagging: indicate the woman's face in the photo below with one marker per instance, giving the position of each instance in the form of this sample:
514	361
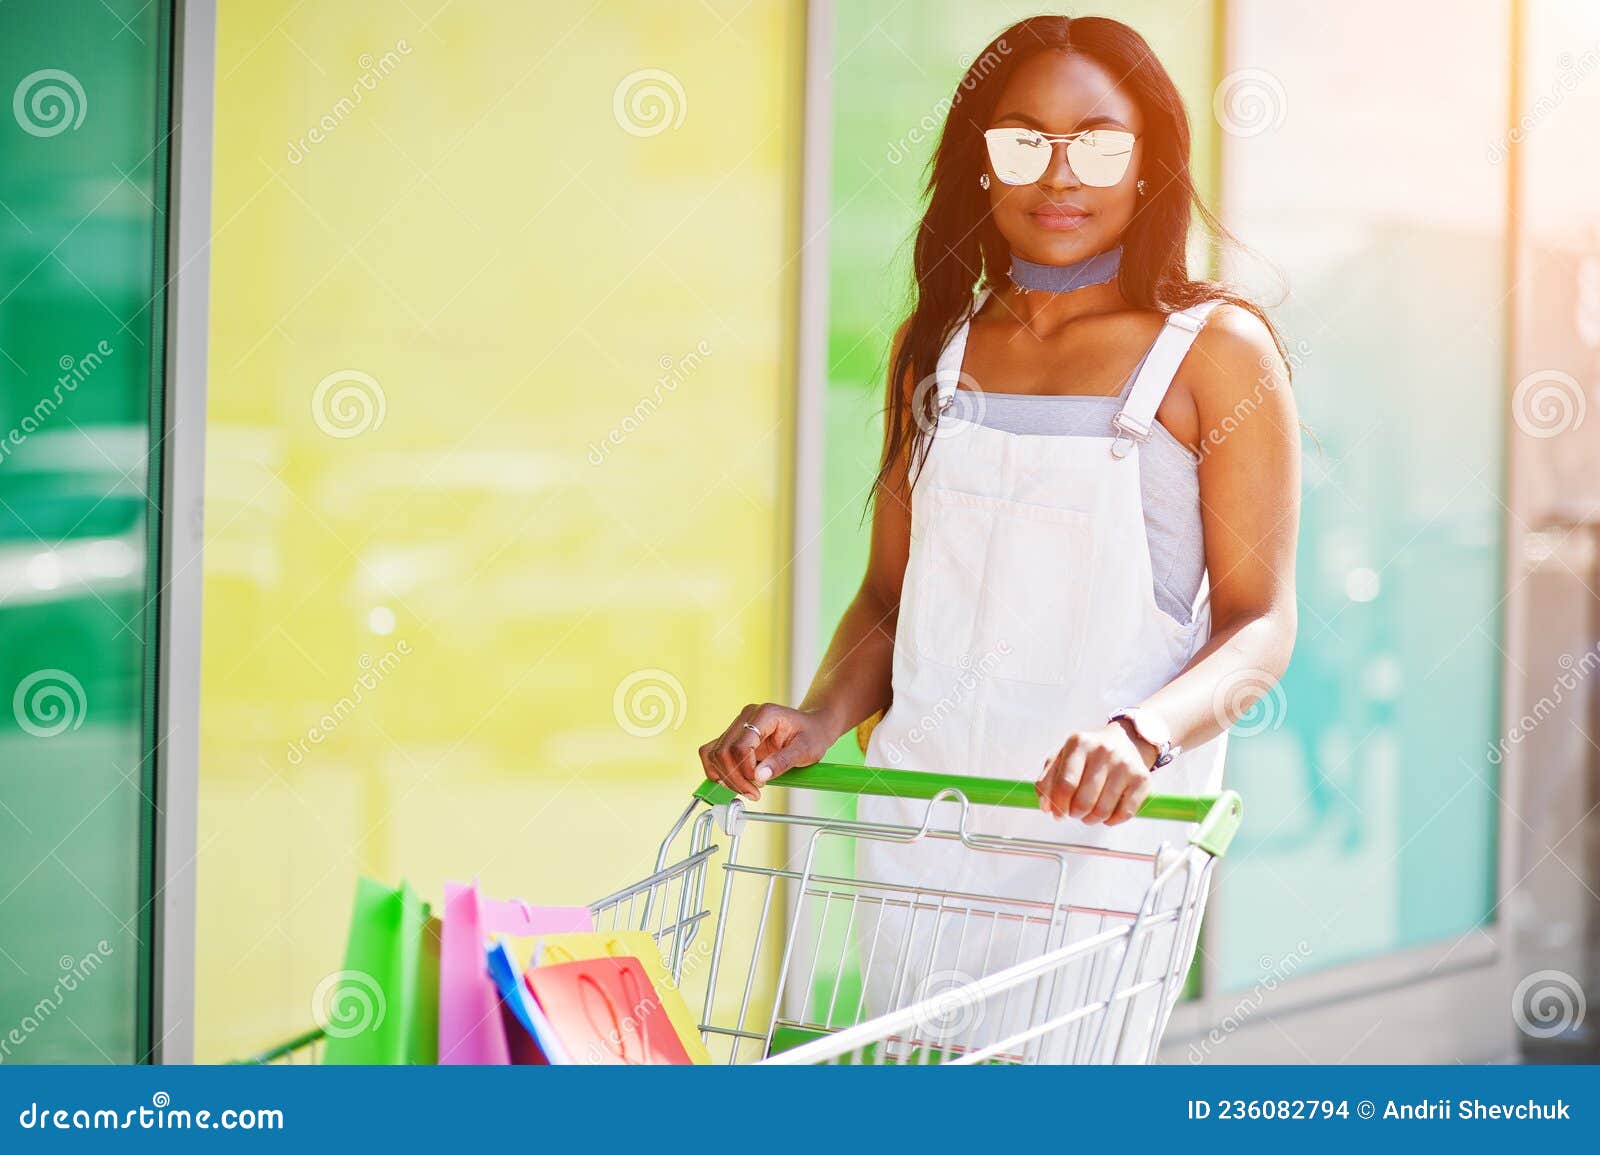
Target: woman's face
1058	219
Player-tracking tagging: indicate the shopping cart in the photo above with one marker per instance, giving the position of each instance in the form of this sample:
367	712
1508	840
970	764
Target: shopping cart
788	962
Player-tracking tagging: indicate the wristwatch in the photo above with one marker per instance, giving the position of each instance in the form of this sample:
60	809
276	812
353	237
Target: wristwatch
1153	730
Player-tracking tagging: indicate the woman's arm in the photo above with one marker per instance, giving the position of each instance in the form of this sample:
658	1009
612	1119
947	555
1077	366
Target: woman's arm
853	680
1249	442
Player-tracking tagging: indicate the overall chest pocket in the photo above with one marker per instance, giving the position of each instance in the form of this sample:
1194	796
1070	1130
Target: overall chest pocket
1003	588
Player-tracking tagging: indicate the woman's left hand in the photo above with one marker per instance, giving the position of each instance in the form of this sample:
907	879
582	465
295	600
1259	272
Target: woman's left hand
1097	776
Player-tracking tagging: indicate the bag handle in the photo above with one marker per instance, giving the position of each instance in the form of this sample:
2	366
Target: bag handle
553	953
1218	815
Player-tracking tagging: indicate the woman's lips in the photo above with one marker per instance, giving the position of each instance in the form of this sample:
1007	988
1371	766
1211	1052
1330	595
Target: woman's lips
1059	217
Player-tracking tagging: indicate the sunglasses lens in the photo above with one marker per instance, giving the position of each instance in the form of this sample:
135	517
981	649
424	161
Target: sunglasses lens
1100	158
1017	155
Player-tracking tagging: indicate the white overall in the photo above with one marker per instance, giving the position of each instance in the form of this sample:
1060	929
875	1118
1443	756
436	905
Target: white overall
1028	612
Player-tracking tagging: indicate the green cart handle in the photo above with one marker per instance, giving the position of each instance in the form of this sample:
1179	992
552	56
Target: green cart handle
1218	815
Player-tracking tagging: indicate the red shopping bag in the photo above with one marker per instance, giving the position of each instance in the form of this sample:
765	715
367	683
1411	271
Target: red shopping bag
554	949
471	1024
606	1010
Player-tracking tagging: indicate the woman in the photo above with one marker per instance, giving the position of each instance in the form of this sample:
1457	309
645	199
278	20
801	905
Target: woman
1084	522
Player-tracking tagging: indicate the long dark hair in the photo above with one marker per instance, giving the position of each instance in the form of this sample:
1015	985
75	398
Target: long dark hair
958	246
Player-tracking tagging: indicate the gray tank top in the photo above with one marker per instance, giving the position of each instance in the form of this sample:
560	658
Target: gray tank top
1169	480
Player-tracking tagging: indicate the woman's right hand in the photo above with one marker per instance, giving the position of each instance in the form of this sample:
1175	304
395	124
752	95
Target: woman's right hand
761	743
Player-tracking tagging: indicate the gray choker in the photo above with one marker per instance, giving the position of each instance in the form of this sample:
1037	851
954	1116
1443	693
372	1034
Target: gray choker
1093	270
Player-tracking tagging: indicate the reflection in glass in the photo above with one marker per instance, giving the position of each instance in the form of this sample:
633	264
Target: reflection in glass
81	162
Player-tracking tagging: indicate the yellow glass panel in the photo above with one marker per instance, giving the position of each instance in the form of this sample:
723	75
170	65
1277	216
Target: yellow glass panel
498	453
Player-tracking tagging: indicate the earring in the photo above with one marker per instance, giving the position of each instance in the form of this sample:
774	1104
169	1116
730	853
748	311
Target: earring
1140	187
983	181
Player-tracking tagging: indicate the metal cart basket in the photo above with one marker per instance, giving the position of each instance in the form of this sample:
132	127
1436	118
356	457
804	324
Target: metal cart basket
790	963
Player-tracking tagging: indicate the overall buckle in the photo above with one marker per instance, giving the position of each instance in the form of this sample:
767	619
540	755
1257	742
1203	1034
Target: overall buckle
1129	431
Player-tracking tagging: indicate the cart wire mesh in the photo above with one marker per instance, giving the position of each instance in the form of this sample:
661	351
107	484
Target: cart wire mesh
799	961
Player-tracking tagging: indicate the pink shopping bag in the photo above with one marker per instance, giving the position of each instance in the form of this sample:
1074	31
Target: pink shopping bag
471	1027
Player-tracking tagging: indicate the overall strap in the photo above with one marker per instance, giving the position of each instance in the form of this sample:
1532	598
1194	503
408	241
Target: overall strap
947	373
1138	415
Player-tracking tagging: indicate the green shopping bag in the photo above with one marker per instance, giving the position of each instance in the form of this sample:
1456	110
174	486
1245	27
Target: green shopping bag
383	1007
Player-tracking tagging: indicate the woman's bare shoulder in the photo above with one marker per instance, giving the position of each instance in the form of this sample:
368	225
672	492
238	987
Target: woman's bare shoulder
1234	358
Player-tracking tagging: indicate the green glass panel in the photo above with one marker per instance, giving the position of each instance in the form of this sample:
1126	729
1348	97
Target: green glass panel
82	171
